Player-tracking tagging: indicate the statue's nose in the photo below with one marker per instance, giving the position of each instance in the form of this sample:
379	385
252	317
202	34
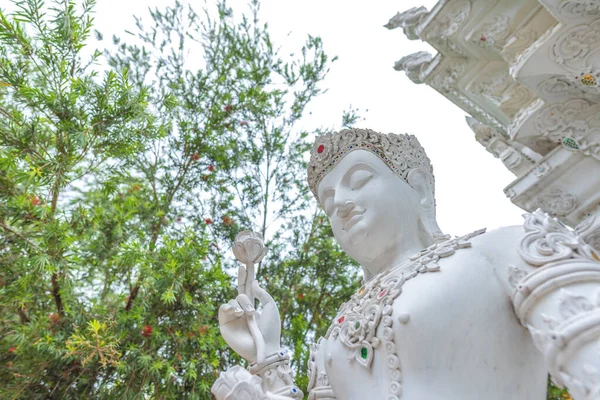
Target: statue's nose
344	209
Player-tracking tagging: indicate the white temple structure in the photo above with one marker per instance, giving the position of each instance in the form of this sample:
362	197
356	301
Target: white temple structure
528	74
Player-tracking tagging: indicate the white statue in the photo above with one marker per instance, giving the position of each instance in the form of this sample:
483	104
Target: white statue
482	316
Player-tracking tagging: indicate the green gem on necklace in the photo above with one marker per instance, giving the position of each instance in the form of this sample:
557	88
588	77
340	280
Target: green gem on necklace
357	325
364	353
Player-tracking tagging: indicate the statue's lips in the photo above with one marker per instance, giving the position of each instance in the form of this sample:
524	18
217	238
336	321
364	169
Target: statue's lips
352	219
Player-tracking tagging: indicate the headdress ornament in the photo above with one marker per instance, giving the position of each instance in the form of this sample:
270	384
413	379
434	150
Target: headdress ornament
402	153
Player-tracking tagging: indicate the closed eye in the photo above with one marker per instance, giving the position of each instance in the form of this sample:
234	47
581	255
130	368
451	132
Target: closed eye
359	179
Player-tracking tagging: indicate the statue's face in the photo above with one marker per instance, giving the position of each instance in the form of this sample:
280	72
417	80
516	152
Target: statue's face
371	210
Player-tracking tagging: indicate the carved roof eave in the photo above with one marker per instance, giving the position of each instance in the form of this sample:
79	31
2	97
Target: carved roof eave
555	171
541	126
430	17
439	78
536	50
426	73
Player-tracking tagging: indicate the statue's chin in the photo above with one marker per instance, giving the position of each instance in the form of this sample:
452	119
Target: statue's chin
358	237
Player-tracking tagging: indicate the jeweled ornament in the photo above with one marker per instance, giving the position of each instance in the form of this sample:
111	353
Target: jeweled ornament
589	80
364	352
570	143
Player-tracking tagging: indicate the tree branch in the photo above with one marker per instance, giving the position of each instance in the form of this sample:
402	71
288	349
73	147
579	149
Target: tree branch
56	294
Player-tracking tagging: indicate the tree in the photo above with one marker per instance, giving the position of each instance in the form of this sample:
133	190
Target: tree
121	193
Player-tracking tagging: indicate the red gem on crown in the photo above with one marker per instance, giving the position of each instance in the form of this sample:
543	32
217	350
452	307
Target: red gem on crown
341	319
320	149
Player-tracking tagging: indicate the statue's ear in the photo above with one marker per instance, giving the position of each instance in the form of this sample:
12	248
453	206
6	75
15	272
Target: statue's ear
422	182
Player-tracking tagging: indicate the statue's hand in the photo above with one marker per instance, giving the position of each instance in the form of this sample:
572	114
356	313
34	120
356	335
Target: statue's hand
235	319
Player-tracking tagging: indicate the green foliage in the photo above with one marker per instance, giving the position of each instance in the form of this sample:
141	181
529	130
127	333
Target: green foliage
555	393
122	190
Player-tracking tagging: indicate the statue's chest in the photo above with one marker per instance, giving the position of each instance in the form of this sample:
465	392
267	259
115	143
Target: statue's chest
364	340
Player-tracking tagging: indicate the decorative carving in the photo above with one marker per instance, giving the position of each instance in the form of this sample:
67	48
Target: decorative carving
409	20
357	321
523	115
276	374
492	83
454	14
589	231
518	43
316	378
542	169
573	309
237	383
449	75
515	98
483	133
586	388
541	144
589	78
511	157
570	305
564	119
557	202
573	47
590	149
414	65
446	25
577	9
559	87
515	275
510	193
493	34
547	240
475	110
535	45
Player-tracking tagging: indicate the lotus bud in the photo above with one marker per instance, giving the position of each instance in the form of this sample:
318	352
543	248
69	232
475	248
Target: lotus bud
249	247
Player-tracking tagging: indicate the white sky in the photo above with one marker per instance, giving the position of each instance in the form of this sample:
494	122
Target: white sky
469	180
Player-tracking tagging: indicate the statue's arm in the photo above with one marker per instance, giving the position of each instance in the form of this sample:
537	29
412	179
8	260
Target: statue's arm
254	334
268	377
554	283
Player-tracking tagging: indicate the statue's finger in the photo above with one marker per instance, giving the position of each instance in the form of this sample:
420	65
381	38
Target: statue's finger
246	304
230	312
261	294
242	280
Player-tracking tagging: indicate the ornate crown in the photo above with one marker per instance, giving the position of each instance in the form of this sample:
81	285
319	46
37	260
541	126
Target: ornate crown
402	153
